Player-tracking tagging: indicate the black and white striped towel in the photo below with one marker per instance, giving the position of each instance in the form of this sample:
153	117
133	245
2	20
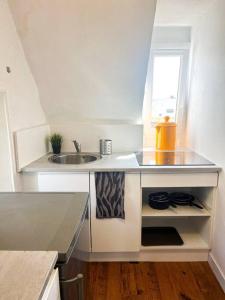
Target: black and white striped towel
110	195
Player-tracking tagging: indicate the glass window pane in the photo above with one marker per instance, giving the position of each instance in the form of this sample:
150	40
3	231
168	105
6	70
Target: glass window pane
166	74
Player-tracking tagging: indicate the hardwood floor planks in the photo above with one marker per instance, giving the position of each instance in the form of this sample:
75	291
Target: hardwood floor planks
206	281
129	287
167	290
184	282
97	281
150	280
153	281
114	282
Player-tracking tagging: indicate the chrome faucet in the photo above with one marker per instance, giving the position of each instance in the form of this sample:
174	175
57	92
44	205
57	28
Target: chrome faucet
77	146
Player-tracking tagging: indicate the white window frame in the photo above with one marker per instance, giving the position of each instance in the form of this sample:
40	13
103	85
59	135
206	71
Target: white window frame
182	89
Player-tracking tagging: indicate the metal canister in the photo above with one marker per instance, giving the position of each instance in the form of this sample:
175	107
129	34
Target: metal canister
105	147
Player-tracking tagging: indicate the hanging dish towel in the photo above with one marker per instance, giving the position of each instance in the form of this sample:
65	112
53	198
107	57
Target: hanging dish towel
110	195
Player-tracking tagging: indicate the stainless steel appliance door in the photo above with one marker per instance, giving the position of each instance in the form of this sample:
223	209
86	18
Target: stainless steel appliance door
73	274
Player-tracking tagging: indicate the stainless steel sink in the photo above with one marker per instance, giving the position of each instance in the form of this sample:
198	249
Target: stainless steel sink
73	158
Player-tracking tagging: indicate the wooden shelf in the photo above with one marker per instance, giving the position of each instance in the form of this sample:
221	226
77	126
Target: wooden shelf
179	211
192	241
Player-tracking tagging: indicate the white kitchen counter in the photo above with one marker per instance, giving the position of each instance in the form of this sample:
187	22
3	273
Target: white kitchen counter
115	162
24	274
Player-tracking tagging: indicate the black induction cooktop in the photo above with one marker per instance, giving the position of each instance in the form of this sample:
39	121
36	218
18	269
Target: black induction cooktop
171	158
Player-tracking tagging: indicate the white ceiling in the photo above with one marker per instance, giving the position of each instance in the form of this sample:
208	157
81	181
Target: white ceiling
180	12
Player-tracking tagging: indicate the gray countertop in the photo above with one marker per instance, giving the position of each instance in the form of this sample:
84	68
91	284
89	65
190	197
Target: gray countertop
41	221
24	275
117	162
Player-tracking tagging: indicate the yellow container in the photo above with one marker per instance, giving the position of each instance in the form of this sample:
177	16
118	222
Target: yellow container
166	135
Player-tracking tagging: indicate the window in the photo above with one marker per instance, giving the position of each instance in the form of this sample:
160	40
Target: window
165	92
166	84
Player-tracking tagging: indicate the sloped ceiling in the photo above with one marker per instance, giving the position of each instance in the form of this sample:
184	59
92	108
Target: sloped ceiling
89	57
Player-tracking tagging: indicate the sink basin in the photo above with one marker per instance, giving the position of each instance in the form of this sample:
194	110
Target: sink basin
73	159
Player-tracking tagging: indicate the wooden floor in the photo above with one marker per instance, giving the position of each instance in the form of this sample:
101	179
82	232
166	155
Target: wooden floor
153	281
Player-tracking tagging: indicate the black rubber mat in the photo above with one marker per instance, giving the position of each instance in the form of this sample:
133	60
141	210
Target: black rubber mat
160	236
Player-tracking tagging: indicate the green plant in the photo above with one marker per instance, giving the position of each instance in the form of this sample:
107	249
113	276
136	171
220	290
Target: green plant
56	142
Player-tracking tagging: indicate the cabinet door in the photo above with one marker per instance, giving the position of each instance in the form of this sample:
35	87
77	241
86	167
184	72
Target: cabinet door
52	291
117	235
63	182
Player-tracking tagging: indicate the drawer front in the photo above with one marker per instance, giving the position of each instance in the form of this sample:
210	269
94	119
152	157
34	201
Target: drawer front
179	180
74	182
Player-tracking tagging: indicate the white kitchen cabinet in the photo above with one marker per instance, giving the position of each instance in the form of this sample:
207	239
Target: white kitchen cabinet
63	182
52	290
117	235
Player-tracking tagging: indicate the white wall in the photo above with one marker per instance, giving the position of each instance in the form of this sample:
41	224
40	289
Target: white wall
125	137
6	171
22	94
171	37
206	118
179	12
23	104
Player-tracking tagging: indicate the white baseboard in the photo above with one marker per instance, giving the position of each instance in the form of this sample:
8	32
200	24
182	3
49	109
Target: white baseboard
217	271
155	256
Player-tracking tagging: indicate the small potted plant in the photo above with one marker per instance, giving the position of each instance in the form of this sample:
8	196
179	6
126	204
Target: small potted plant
56	142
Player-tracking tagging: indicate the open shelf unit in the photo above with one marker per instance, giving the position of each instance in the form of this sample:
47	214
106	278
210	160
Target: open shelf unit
193	224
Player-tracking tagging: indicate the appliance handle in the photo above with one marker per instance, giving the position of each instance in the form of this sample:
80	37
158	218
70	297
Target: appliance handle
79	280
